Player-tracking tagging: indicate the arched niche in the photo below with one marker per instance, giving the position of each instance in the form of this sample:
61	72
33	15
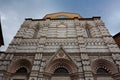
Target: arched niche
104	64
19	70
104	69
22	70
61	69
21	63
69	65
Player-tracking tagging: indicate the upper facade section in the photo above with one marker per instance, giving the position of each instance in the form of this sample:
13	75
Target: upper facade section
67	30
62	15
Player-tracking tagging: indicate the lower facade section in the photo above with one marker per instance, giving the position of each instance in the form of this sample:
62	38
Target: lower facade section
59	66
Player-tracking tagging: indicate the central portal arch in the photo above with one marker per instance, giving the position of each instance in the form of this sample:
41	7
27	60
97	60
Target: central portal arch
61	69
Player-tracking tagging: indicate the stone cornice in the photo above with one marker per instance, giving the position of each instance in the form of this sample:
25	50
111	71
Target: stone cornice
93	18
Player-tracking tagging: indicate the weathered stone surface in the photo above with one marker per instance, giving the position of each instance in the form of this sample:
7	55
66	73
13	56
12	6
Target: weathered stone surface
78	46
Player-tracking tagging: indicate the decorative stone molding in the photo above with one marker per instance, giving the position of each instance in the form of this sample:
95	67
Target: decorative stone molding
111	67
14	66
44	45
86	67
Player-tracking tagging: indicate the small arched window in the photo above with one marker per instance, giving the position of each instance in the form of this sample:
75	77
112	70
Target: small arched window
102	71
61	70
21	70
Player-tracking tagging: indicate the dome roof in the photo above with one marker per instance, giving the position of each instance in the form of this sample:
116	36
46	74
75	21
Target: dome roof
62	15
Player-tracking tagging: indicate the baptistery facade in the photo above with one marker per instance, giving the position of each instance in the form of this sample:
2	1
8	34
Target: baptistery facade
61	46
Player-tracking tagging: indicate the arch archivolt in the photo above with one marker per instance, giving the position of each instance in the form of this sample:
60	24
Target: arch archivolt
18	64
103	63
67	64
58	65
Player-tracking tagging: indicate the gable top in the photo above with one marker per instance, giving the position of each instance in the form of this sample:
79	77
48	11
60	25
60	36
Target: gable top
62	15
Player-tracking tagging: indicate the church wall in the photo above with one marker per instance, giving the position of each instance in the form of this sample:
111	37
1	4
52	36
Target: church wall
80	42
54	33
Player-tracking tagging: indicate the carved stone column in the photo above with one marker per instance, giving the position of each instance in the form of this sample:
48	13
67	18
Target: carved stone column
47	76
80	73
79	28
86	67
80	35
116	58
36	67
45	28
2	76
74	77
4	62
110	43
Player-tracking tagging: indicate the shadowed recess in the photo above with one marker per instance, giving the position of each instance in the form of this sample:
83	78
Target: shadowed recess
102	71
22	70
61	70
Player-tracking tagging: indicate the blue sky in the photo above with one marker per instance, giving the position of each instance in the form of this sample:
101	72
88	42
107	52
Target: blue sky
13	12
